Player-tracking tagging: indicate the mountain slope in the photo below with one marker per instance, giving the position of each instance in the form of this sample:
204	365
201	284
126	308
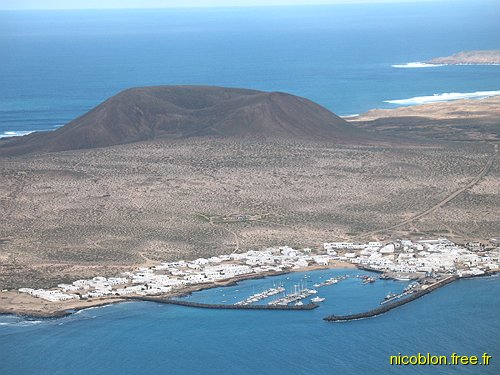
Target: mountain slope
175	112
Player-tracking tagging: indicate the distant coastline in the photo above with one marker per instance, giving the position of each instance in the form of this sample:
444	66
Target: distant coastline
438	107
483	57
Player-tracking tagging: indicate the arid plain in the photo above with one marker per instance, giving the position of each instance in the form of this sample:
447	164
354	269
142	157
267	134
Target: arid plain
78	214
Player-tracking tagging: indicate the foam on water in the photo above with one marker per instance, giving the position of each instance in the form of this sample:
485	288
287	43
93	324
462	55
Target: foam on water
21	323
92	308
416	65
19	133
445	97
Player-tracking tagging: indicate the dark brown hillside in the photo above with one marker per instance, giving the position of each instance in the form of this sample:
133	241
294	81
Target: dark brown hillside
175	112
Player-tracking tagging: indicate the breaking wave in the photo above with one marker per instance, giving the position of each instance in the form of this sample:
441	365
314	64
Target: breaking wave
21	323
86	309
15	133
416	65
446	97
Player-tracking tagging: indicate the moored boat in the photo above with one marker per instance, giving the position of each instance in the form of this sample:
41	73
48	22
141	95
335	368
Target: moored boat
317	299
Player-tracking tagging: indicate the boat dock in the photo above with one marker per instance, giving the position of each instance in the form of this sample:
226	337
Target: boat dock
260	296
391	305
331	281
293	297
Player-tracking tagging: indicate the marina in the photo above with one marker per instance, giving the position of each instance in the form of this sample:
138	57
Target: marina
289	292
416	266
400	260
298	292
260	296
176	330
390	297
331	281
396	302
323	288
296	297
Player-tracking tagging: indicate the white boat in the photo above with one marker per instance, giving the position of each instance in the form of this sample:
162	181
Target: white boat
299	303
402	278
317	299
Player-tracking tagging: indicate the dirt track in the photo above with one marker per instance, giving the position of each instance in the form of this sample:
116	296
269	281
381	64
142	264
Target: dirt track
448	198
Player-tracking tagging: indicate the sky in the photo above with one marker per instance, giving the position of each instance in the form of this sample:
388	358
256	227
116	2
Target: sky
121	4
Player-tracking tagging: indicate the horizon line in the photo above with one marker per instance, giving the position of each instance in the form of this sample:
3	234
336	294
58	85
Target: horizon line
201	6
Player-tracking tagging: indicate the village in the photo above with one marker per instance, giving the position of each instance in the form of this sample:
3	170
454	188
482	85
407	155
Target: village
400	259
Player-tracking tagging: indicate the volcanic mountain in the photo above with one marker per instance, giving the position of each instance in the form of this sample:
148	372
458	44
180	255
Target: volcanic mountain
176	112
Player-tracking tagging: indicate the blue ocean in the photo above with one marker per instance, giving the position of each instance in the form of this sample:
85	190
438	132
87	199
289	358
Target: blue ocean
149	338
56	65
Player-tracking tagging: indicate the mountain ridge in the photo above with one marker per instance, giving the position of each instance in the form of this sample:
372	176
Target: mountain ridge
179	112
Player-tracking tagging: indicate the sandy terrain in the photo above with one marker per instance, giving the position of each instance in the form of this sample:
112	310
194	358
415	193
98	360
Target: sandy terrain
457	109
459	120
72	215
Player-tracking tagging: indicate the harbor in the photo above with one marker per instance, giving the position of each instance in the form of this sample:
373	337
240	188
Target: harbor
405	261
260	296
180	328
392	305
323	288
296	297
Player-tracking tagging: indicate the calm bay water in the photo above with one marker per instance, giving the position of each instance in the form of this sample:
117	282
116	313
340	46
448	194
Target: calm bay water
57	65
148	338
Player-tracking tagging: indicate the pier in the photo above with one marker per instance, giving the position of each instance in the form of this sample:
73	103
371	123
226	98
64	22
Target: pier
392	305
215	306
260	296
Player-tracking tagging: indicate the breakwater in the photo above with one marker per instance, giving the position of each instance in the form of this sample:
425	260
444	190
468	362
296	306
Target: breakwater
385	308
309	306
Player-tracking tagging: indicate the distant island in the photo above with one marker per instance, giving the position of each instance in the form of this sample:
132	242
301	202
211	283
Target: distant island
482	57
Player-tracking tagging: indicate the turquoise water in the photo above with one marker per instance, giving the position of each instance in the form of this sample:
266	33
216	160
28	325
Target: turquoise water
149	338
56	65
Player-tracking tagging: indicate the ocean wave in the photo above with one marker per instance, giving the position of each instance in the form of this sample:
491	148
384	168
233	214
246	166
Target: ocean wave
31	322
21	323
446	97
86	309
19	133
416	65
